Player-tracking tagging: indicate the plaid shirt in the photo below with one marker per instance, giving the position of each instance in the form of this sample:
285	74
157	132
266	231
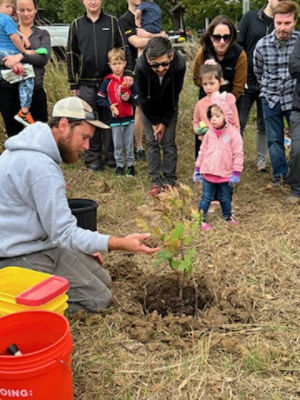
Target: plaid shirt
270	65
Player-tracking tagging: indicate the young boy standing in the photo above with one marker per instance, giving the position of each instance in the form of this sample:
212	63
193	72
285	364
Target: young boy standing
115	95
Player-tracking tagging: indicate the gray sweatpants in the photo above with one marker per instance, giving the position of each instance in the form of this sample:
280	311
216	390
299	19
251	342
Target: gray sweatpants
87	279
123	139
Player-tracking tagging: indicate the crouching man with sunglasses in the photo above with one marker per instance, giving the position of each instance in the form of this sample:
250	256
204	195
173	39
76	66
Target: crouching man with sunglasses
159	75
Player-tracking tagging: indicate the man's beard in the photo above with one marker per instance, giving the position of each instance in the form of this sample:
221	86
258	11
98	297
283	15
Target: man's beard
68	155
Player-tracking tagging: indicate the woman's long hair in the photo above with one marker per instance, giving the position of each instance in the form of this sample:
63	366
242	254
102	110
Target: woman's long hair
205	39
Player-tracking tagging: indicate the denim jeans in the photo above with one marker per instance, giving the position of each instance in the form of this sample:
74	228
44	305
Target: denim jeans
273	118
123	139
244	104
294	163
162	169
223	192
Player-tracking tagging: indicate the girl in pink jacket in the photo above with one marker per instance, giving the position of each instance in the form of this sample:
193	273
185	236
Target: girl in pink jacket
220	159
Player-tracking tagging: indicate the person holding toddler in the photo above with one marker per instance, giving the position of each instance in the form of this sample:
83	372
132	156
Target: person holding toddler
12	43
220	159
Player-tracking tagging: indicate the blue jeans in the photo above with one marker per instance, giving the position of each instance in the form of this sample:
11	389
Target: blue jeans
26	86
273	118
250	96
223	192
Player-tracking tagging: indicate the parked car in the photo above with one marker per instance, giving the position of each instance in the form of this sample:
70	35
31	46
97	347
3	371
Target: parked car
58	33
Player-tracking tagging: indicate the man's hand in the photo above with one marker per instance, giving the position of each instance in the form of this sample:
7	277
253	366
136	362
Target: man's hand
98	258
132	243
158	131
129	80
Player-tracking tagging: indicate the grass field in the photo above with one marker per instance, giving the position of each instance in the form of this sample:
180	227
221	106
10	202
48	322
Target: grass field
244	343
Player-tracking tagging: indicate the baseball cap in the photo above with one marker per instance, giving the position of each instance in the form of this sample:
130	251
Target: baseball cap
76	108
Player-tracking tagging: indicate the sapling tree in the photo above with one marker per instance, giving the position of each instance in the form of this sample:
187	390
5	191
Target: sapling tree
177	232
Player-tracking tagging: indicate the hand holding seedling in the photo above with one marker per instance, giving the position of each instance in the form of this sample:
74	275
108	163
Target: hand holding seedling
132	243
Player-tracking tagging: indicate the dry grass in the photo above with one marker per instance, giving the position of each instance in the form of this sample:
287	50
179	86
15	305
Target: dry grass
244	345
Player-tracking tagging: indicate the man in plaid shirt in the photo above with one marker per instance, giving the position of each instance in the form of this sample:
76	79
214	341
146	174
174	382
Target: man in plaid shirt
270	65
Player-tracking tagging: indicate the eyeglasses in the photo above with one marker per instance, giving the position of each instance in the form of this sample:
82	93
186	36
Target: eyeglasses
163	64
217	38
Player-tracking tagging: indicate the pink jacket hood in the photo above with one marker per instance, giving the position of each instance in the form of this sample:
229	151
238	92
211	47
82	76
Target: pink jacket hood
226	102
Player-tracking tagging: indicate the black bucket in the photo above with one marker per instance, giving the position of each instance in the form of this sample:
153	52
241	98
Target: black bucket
85	210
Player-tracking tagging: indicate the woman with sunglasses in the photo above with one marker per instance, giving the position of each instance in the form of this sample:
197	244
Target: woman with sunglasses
219	43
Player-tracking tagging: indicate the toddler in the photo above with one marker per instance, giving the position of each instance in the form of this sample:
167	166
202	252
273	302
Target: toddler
11	43
220	159
148	17
212	78
114	94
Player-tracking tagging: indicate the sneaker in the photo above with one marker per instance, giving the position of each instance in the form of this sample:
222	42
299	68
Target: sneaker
262	170
140	155
110	163
25	119
277	183
155	190
120	171
95	166
292	200
232	221
205	227
130	171
168	187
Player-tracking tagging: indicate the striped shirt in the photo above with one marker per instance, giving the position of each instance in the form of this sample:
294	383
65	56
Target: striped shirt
270	65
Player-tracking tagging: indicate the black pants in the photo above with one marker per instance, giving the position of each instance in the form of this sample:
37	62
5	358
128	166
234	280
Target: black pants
101	149
10	105
293	178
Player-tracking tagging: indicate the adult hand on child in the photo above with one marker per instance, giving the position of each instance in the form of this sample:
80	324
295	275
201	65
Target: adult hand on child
234	179
197	177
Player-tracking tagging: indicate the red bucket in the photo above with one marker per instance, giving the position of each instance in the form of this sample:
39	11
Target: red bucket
43	371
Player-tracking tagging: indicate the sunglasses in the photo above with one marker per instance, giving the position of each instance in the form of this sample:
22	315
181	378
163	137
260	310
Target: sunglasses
217	38
162	64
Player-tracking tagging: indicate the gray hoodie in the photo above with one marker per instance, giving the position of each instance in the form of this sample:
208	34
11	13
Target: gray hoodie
34	211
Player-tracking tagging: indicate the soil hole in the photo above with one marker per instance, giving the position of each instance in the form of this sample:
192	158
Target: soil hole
163	296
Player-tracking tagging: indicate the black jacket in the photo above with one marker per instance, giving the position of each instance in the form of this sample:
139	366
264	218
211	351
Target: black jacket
88	45
159	101
294	68
253	26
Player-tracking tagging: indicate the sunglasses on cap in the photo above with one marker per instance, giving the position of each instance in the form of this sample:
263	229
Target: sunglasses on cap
162	64
217	38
